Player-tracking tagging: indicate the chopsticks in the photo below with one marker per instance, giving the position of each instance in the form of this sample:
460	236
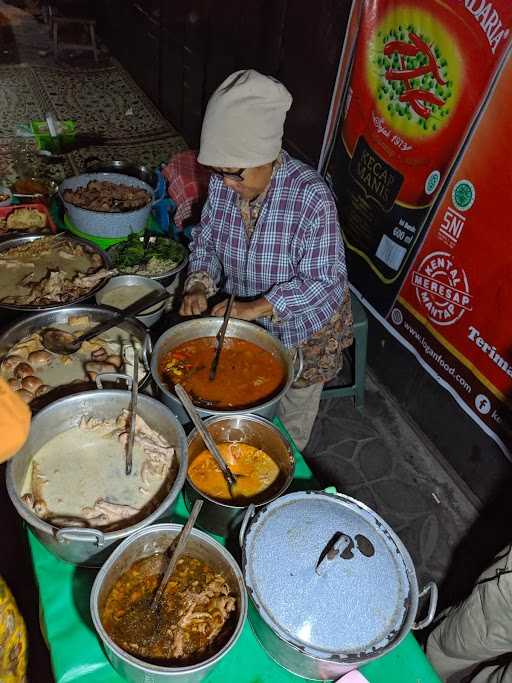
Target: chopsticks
220	339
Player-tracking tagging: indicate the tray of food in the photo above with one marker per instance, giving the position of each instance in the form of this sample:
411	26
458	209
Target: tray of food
31	218
162	259
39	272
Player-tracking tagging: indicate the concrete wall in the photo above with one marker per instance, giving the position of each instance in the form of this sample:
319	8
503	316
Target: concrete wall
473	455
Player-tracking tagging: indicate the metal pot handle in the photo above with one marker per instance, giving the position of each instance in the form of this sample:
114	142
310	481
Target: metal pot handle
113	377
298	356
147	350
431	588
88	535
249	514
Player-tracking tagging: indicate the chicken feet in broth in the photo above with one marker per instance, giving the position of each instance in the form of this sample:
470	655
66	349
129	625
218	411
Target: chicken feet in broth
78	476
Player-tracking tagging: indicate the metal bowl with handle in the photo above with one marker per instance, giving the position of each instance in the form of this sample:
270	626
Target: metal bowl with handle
96	165
105	223
239	329
331	586
60	316
147	542
221	517
89	546
88	246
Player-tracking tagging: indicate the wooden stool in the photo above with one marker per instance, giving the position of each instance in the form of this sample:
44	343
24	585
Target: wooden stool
56	21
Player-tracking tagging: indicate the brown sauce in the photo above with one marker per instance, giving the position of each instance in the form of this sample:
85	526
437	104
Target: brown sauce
195	618
246	373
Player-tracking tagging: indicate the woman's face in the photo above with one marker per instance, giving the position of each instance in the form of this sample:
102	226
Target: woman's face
248	183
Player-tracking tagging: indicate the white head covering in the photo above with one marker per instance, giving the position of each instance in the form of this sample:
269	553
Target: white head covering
243	123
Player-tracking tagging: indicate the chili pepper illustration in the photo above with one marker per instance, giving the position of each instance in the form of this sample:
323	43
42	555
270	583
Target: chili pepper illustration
416	97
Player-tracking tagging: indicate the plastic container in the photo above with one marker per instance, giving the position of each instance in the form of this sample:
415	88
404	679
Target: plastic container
45	141
5	191
5	211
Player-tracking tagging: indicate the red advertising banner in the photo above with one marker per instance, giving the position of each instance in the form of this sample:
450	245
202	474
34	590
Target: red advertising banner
422	174
454	308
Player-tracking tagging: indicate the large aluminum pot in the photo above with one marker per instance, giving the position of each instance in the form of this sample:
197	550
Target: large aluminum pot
88	246
208	327
84	546
38	321
142	544
222	518
331	586
104	223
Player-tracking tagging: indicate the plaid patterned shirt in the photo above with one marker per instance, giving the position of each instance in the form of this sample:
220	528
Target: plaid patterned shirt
294	257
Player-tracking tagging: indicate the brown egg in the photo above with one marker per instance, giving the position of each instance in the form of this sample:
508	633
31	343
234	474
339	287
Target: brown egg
43	389
99	354
31	383
40	358
25	395
14	383
99	367
23	370
10	362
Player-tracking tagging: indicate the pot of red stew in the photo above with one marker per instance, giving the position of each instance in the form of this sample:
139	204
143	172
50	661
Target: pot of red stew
254	371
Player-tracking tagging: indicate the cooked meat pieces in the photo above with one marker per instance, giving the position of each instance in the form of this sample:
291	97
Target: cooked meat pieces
102	195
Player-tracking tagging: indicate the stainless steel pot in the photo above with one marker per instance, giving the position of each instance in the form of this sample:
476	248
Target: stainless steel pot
37	321
331	586
221	518
208	327
147	317
142	544
91	248
96	165
84	546
104	223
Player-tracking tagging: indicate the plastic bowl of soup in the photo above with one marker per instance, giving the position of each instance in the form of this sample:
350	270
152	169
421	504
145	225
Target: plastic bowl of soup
259	456
124	290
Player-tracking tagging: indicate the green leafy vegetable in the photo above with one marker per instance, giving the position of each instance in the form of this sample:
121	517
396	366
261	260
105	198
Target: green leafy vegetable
131	253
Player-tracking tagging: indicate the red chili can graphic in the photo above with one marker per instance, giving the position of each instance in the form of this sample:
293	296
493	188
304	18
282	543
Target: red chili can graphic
421	71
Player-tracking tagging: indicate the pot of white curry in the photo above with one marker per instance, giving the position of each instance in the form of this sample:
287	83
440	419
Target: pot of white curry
69	483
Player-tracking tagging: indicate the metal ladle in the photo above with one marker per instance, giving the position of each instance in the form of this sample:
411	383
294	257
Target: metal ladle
62	342
206	436
177	547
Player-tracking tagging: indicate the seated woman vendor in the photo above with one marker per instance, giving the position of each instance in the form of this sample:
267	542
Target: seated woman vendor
270	229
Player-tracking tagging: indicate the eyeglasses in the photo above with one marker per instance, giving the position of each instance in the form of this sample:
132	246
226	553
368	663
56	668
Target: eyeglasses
235	175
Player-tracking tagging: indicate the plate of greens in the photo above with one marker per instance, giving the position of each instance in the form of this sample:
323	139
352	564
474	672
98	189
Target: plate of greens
162	259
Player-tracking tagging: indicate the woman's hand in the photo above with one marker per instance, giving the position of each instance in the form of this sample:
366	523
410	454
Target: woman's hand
194	302
245	310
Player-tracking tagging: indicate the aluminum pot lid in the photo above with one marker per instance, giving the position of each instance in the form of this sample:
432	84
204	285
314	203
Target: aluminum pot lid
327	574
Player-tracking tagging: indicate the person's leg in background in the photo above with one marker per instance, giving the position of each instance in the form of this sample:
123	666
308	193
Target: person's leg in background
479	629
298	410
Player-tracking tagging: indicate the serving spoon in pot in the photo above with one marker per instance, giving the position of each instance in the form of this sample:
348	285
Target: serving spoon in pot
177	548
206	436
62	342
220	339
